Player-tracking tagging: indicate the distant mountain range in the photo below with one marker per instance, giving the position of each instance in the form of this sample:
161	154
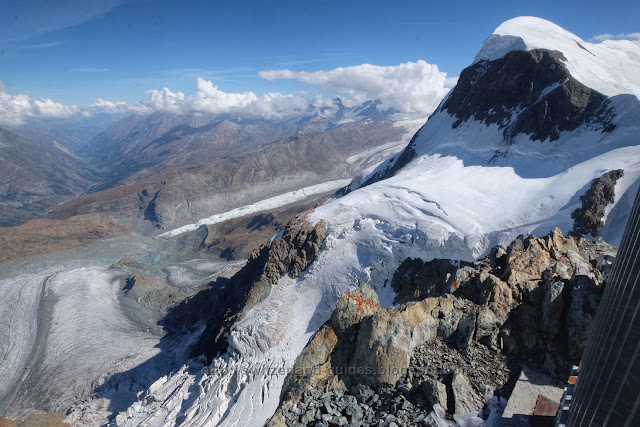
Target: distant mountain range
142	153
36	176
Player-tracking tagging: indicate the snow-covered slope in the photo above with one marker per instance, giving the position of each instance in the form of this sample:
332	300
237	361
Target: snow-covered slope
463	185
611	67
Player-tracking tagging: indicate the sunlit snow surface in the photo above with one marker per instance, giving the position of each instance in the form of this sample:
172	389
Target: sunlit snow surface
611	67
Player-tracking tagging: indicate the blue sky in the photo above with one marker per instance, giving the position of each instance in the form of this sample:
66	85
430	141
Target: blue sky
77	51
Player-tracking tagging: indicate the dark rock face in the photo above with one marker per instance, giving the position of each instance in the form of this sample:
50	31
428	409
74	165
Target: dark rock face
428	279
222	308
463	329
524	92
520	82
588	218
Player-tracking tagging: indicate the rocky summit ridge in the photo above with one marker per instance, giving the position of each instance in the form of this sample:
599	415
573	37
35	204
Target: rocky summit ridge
458	332
289	255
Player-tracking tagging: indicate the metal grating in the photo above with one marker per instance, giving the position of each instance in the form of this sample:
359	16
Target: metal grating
607	392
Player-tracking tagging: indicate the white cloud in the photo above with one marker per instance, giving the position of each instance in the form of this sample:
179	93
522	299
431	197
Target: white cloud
635	37
103	106
410	87
49	108
278	106
16	108
167	101
210	99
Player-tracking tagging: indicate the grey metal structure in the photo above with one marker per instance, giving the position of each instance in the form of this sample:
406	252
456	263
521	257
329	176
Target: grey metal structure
608	388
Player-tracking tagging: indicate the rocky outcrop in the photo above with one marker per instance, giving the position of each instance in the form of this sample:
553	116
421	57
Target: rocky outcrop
588	218
222	308
460	333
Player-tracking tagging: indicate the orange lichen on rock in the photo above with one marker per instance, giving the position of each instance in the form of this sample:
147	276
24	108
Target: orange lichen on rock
363	303
455	284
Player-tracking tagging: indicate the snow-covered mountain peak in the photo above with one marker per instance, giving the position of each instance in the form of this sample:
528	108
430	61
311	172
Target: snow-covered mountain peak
611	67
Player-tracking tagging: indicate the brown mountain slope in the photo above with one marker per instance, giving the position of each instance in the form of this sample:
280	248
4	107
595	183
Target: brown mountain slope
181	194
49	235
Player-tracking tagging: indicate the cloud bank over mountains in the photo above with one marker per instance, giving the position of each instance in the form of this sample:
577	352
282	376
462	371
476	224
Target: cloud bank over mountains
14	109
209	99
634	37
412	87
